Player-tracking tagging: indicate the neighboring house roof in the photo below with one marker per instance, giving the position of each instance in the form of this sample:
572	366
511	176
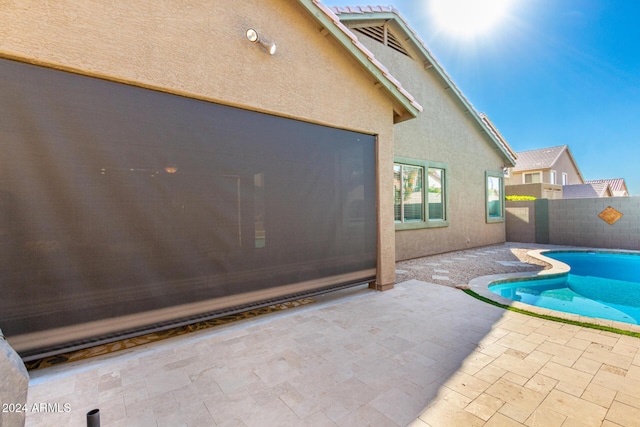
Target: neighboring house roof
543	158
618	186
356	15
405	106
586	191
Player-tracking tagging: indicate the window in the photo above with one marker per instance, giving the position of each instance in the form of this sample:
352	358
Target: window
552	176
408	183
565	179
420	194
435	195
532	178
494	182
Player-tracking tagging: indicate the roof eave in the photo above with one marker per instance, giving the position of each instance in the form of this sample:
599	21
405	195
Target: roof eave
534	169
404	105
414	40
568	150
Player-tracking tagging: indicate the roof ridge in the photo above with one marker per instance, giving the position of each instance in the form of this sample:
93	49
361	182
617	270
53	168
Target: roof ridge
563	148
543	148
616	184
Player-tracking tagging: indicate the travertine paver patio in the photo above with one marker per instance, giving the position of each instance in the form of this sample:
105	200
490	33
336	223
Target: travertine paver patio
421	354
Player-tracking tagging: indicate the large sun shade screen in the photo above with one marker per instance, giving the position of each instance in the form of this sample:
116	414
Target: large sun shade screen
122	206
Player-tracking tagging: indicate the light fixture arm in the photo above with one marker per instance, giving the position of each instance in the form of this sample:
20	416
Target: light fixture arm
254	37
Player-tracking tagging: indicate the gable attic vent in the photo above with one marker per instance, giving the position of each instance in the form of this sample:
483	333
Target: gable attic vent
381	34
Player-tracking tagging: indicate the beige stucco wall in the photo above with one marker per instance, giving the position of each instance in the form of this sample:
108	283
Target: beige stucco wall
516	178
564	164
443	133
199	49
539	191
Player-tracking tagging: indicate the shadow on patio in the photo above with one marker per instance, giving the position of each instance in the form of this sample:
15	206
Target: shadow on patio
419	354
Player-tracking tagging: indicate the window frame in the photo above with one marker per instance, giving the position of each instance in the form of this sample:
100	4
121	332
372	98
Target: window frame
501	197
553	177
565	178
524	175
426	222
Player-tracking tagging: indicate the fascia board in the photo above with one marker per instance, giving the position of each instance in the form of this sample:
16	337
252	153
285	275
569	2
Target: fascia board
343	35
410	37
568	150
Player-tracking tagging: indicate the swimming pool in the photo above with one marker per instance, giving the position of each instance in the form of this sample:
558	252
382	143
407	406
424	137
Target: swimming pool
603	285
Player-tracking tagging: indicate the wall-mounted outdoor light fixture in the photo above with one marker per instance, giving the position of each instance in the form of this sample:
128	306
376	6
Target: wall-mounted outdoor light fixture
252	36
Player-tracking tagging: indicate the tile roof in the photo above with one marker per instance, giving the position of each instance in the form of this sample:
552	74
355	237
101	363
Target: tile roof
498	135
420	44
585	191
367	53
543	158
364	9
616	184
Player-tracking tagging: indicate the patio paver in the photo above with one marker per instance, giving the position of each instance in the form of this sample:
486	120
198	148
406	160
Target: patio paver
421	354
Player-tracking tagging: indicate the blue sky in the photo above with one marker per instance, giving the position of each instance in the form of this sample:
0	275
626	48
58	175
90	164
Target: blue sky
551	72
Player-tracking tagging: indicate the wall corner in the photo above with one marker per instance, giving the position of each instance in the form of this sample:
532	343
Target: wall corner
14	385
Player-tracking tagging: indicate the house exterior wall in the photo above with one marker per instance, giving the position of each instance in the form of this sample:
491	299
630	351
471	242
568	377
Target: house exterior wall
539	191
200	50
562	165
515	178
443	133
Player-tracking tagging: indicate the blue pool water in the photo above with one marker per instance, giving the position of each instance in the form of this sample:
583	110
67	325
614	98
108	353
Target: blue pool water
600	284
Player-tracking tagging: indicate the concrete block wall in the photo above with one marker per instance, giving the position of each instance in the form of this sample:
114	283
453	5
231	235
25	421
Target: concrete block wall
520	221
575	222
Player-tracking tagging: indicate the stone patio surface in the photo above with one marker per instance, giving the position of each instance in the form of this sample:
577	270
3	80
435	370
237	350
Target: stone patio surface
421	354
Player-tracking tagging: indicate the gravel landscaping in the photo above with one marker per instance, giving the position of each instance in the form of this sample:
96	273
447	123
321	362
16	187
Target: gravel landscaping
458	268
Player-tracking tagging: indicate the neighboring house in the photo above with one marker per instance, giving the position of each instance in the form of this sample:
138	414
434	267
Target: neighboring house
618	186
164	165
449	161
586	191
542	173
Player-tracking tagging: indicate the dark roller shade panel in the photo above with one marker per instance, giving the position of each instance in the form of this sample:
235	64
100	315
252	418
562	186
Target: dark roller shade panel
117	200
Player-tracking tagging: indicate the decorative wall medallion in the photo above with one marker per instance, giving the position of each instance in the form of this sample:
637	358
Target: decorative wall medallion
610	215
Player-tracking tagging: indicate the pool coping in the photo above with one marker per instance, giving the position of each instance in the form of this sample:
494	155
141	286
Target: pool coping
480	285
